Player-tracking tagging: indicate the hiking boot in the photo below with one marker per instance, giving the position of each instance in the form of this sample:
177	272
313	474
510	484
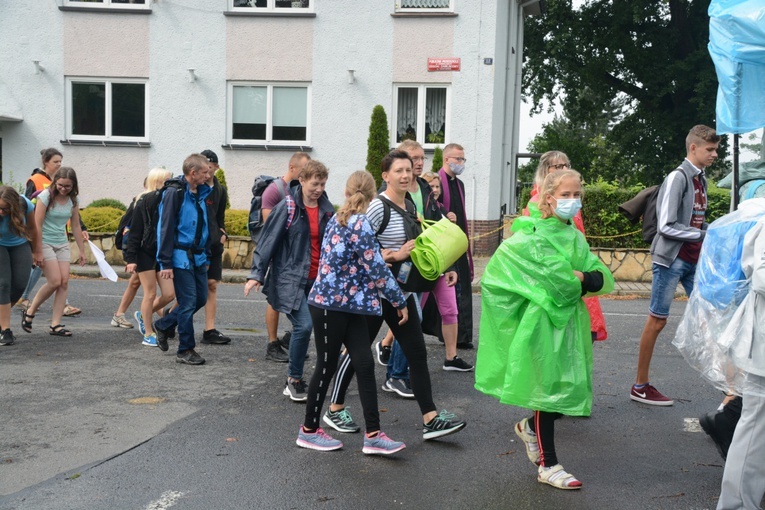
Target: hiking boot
119	321
457	364
341	420
649	395
285	340
465	345
317	440
381	445
6	337
383	353
295	390
557	477
720	429
399	387
139	320
442	425
150	340
189	357
274	352
162	337
213	336
529	439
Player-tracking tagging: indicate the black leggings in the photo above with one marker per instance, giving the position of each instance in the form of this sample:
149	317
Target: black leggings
409	336
543	423
15	262
332	330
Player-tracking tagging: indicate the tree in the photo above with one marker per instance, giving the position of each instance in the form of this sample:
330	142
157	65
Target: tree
647	59
221	176
438	159
378	143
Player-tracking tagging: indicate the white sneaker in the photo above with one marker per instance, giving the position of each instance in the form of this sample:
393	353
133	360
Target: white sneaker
529	439
119	321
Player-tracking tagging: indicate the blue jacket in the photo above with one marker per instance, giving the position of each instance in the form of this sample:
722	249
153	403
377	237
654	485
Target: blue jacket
183	231
352	273
282	257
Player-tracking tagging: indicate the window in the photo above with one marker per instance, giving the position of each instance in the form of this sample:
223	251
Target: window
109	110
275	113
422	114
109	4
424	5
272	5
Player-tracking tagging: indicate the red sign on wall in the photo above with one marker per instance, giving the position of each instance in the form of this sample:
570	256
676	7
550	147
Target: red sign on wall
443	64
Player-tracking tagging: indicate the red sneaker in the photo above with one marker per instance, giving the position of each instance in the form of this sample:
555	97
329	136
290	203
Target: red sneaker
650	395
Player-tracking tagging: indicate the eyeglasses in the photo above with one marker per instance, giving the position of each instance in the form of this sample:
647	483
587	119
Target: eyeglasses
64	186
560	166
417	160
461	160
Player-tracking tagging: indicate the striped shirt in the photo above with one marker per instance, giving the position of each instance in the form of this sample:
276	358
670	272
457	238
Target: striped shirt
394	235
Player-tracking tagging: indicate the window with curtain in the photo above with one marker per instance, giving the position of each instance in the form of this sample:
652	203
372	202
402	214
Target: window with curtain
269	113
103	109
421	114
270	5
424	5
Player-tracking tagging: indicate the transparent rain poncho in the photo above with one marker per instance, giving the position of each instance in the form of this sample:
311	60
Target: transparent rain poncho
536	346
722	332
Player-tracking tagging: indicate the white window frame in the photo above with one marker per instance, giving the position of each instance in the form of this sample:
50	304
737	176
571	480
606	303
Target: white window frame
398	8
420	130
108	109
271	7
269	112
107	4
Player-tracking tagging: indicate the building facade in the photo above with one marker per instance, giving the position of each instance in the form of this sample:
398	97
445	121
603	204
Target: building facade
121	86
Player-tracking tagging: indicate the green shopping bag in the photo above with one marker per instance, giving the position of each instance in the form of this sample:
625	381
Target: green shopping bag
438	247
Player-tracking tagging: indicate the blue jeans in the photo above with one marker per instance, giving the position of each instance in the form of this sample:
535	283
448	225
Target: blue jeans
665	280
191	293
398	366
301	336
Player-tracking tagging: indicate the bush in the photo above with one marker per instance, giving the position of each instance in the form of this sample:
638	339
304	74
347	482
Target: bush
221	176
236	222
108	202
378	143
606	226
438	159
101	219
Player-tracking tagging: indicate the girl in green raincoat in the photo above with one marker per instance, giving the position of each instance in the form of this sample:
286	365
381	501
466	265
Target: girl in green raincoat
536	348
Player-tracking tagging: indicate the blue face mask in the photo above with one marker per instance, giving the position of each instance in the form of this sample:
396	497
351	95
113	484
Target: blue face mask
457	168
567	207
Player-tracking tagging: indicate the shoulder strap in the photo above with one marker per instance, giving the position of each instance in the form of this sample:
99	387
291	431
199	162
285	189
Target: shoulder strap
386	215
280	187
291	206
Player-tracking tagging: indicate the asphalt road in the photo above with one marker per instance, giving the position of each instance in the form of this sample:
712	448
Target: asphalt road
100	422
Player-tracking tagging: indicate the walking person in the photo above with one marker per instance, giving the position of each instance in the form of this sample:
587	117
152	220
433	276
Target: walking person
216	202
352	275
20	247
183	251
141	253
56	206
397	241
536	347
134	283
286	261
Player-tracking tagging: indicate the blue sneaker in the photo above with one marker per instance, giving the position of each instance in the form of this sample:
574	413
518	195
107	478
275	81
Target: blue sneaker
381	445
318	440
150	340
139	320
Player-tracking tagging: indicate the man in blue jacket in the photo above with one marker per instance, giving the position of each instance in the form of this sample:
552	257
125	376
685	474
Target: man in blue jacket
183	254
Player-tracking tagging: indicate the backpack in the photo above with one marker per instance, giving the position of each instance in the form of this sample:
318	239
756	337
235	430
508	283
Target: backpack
123	229
255	220
150	212
643	205
406	273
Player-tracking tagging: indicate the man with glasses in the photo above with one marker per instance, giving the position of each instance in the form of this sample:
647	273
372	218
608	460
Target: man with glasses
453	198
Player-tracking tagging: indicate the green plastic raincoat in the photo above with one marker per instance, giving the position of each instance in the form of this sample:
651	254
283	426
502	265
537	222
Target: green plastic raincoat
536	346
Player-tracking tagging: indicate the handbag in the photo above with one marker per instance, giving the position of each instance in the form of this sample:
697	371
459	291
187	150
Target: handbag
439	246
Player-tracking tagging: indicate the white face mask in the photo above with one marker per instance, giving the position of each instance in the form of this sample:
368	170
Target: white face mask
457	168
567	207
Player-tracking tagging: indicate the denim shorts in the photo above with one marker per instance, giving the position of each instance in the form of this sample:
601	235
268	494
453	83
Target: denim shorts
665	280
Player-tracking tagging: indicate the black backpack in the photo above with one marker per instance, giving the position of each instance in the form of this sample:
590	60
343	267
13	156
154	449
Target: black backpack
123	229
410	280
255	221
150	212
646	210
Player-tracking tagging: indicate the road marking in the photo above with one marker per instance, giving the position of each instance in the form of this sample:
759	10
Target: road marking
166	500
691	425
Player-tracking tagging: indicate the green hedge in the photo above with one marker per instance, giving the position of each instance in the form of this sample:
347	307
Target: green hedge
236	222
101	219
603	221
108	202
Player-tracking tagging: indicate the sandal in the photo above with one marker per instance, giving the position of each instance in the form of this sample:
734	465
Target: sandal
59	330
71	311
558	478
26	321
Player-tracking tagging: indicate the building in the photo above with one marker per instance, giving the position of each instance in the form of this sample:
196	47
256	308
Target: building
121	86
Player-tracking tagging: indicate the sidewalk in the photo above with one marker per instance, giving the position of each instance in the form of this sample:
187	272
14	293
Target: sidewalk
636	289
